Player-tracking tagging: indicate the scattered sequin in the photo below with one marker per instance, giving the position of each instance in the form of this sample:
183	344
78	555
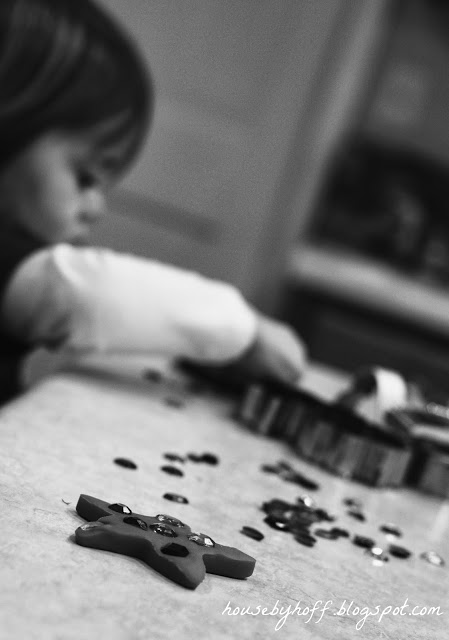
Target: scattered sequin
433	558
379	562
175	549
194	457
210	458
207	458
118	507
163	530
357	515
277	523
303	519
202	540
269	468
174	522
326	534
306	500
377	555
173	457
362	541
298	478
136	522
391	529
399	552
342	533
274	504
173	471
175	497
285	471
322	514
305	539
126	463
65	501
252	533
375	551
353	502
297	519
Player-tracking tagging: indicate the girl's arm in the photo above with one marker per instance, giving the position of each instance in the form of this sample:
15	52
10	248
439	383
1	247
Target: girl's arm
99	300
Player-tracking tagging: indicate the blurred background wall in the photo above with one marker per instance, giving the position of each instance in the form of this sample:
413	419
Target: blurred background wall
250	94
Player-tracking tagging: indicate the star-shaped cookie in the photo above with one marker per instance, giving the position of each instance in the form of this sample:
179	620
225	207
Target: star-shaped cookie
165	543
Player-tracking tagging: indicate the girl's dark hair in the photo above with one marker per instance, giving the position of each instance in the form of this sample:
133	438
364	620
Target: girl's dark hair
66	64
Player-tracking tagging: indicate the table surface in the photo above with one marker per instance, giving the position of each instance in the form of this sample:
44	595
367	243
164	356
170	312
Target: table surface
60	439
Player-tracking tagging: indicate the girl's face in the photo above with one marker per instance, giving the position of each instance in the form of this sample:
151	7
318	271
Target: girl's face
55	188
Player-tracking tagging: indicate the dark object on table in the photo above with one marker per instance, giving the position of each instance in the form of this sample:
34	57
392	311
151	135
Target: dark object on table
398	551
184	561
175	497
194	457
357	515
362	541
210	458
173	471
353	502
173	457
270	468
250	532
296	518
285	471
324	515
298	478
207	458
391	529
342	533
277	522
326	534
126	463
304	538
276	505
377	555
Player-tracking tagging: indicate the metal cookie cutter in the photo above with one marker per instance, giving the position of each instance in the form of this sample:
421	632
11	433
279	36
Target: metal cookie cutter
331	435
428	432
277	410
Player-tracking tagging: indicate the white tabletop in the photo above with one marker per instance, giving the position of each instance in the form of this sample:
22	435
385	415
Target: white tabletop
60	440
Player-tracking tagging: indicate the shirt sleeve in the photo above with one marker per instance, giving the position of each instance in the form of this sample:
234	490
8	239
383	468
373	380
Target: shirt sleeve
99	300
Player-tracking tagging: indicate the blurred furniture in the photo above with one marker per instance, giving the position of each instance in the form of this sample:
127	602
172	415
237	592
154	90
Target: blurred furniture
368	279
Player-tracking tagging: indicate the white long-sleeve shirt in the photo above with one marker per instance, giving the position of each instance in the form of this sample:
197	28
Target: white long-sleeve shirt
97	300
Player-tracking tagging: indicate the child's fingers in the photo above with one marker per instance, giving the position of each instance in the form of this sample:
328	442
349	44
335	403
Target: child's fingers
278	352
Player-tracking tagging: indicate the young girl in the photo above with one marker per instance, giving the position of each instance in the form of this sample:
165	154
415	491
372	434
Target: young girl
75	103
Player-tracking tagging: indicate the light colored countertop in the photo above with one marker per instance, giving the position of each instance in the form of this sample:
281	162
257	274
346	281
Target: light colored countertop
59	441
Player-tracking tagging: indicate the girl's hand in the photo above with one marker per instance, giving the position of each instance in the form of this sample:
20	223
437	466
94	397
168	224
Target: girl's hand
276	354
